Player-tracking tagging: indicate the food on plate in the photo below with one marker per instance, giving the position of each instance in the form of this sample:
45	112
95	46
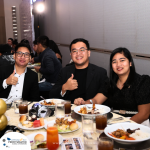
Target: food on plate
63	125
23	118
47	103
36	123
31	121
73	126
27	124
38	142
139	135
84	110
39	137
136	134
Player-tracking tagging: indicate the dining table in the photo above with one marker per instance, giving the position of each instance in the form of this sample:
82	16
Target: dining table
14	120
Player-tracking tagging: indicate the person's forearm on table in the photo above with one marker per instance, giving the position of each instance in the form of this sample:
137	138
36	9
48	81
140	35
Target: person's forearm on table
98	99
143	113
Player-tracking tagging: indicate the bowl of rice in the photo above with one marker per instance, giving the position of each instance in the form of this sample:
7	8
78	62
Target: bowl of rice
140	135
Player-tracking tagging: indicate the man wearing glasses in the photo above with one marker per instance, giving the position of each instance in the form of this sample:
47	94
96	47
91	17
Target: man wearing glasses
81	80
17	81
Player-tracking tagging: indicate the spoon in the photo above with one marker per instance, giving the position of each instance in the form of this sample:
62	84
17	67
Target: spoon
42	97
9	98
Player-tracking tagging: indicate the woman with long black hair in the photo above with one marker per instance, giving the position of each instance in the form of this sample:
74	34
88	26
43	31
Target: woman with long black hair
128	93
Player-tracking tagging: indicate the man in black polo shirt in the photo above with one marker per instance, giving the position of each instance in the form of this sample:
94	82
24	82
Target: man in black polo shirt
80	80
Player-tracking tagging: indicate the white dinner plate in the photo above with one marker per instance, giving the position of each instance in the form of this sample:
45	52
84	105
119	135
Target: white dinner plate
51	100
31	137
125	126
102	109
53	121
32	128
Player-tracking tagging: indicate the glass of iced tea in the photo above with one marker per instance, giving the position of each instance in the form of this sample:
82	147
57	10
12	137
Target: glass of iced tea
23	107
52	137
101	122
105	143
67	108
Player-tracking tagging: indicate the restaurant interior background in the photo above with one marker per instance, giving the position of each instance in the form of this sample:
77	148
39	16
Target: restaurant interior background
106	24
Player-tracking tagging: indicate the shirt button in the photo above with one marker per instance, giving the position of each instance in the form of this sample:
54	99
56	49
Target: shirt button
16	90
16	95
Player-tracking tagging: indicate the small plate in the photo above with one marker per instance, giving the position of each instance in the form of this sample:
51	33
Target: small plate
51	100
103	109
53	121
31	137
25	128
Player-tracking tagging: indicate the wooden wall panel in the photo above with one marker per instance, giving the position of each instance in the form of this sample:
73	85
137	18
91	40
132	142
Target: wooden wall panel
2	23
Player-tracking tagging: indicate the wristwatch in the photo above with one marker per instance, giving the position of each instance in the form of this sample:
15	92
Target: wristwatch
91	101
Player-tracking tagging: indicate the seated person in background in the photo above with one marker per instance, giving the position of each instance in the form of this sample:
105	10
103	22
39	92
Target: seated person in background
6	58
54	47
128	92
35	48
10	41
17	80
80	79
50	65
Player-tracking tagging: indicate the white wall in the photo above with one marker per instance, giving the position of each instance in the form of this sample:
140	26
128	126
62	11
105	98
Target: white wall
105	24
8	17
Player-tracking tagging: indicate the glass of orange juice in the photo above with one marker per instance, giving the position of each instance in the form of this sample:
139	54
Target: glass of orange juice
52	137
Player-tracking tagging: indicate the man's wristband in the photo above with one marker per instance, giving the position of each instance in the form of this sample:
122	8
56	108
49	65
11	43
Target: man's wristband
91	101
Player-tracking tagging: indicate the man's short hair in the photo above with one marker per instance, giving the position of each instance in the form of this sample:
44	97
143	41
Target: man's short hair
23	45
5	48
80	40
10	39
25	41
44	41
35	42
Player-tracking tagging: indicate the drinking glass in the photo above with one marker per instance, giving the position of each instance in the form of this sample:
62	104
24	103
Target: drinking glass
59	110
16	105
52	137
23	107
105	143
101	122
67	108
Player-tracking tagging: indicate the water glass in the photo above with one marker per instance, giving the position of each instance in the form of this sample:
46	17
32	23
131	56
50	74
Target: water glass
101	122
16	105
59	110
105	143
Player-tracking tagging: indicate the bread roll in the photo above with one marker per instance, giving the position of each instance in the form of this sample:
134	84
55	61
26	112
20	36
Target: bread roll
23	118
39	137
73	126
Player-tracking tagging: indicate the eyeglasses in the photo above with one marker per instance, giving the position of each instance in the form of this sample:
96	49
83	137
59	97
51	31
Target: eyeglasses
20	54
81	50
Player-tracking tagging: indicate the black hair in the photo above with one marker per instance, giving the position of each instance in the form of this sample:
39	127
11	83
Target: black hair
10	39
15	42
80	40
5	48
25	41
114	76
35	42
23	45
54	47
44	41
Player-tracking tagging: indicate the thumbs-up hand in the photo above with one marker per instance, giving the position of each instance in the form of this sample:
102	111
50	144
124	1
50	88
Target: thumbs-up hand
12	80
71	84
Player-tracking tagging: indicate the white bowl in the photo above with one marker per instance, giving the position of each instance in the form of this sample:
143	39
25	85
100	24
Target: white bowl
125	126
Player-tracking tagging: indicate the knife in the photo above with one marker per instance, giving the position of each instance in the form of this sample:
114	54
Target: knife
118	122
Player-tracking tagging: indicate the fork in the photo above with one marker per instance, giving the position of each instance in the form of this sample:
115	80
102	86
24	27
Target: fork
115	119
